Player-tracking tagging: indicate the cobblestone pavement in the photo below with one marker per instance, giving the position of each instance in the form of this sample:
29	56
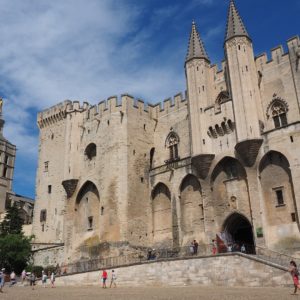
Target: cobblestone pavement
147	293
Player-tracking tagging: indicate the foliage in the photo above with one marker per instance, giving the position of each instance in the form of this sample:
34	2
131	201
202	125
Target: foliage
12	223
37	270
15	252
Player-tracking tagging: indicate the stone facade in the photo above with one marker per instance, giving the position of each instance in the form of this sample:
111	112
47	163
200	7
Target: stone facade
223	160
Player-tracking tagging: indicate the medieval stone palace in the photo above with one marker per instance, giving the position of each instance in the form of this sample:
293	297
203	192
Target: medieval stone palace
222	160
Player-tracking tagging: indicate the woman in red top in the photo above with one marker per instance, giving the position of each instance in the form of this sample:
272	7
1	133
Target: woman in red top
104	278
295	275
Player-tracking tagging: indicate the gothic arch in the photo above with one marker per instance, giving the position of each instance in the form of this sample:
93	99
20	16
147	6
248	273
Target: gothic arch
277	109
87	208
162	215
278	191
229	187
231	167
191	207
238	229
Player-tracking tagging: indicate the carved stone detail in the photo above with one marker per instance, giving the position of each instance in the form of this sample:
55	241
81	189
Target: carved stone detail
248	150
70	186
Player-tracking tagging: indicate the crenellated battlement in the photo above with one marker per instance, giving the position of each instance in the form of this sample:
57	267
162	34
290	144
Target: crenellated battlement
53	114
124	104
278	53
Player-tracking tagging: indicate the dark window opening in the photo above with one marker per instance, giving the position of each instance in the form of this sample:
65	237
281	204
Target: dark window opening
152	151
279	110
43	215
49	189
279	197
4	172
107	122
102	210
293	215
90	223
292	139
144	126
46	166
142	179
6	159
91	151
43	227
133	152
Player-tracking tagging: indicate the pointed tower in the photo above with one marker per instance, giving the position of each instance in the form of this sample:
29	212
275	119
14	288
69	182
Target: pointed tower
197	70
243	83
197	67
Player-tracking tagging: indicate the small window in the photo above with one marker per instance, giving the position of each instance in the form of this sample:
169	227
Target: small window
49	189
4	174
90	223
142	179
43	215
279	196
91	151
102	210
43	227
152	151
46	166
6	159
293	216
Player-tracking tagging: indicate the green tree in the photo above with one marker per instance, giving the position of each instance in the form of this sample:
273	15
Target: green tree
15	252
12	223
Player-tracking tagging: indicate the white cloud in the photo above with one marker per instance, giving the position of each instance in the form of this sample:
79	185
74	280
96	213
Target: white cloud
76	49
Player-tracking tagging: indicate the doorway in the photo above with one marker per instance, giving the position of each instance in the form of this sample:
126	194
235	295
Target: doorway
238	231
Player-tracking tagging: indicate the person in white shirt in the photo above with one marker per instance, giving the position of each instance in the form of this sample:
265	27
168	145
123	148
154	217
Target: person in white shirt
113	279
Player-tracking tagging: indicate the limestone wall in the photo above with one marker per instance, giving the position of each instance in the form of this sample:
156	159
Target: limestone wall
227	270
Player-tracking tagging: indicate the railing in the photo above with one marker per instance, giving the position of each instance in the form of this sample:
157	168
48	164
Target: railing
275	257
94	264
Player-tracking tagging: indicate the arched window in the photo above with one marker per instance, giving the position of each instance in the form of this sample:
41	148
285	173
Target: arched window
172	142
278	109
90	151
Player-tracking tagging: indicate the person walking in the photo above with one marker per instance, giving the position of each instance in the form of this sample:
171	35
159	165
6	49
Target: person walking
12	279
44	279
196	245
113	279
243	248
23	276
32	280
2	279
295	275
52	279
104	278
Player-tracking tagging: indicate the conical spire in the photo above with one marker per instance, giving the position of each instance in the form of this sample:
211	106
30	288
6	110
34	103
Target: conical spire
235	25
196	47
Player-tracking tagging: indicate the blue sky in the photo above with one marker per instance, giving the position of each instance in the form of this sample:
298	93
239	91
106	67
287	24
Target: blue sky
89	50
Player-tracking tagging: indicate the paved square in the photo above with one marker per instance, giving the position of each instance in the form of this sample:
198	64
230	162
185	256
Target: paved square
155	293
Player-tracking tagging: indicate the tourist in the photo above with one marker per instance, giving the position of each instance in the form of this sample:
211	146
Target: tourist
52	279
113	279
23	276
295	275
243	248
2	279
214	247
104	278
192	248
229	248
196	245
32	280
44	279
12	278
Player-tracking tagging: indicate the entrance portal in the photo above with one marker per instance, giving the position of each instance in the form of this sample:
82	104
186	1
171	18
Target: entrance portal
238	230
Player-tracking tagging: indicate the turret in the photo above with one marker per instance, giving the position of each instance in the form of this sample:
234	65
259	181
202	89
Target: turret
197	67
197	70
243	83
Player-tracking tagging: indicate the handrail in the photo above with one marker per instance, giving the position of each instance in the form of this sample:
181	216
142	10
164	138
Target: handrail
283	254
